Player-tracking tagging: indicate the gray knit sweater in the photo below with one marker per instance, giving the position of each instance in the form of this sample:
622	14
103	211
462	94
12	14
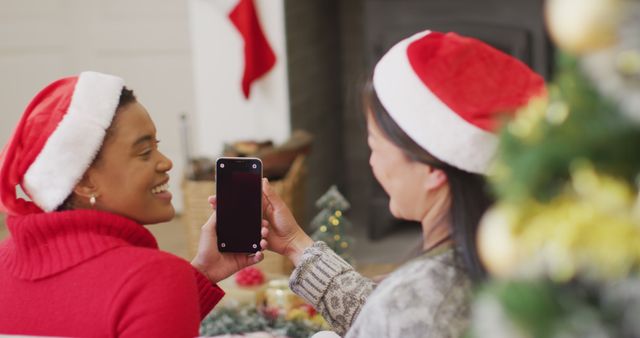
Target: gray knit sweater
427	297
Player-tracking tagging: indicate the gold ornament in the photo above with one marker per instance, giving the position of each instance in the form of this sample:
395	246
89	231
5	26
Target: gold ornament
628	62
557	112
497	243
590	230
572	236
333	220
297	314
605	193
277	295
323	228
580	26
527	118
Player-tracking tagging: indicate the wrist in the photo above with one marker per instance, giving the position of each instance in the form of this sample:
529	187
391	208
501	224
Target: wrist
201	269
295	251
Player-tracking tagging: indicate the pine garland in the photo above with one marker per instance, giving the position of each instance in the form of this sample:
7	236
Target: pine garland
248	318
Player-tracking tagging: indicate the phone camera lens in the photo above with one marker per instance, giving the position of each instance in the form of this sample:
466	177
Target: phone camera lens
221	165
254	166
255	246
223	245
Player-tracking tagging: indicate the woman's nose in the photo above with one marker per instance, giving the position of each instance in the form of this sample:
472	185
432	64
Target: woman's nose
164	164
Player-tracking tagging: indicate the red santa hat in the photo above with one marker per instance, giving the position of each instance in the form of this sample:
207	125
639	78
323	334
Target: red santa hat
448	93
57	138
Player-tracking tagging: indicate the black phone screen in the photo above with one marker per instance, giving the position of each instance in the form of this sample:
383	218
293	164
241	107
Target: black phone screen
239	204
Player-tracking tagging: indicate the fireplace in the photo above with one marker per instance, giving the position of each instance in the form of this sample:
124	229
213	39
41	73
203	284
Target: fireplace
331	48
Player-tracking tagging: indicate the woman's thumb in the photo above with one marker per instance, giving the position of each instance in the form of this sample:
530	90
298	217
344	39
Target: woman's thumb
271	195
209	227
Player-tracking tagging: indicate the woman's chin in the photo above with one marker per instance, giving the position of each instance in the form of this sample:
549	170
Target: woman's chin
394	210
161	216
168	215
398	213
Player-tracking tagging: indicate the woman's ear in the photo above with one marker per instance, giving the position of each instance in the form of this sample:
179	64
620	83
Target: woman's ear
435	178
86	187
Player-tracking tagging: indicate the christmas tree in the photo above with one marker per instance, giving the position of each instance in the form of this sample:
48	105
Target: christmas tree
329	225
562	243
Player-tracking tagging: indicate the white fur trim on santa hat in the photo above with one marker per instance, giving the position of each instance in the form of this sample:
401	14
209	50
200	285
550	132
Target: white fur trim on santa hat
73	145
425	118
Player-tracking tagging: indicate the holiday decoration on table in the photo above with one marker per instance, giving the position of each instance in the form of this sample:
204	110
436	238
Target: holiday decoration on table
329	225
278	311
250	276
277	298
562	243
245	286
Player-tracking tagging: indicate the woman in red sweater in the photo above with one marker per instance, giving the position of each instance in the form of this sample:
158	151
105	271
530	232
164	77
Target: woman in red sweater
78	261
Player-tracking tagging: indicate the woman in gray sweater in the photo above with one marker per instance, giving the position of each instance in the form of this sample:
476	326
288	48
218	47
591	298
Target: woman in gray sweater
432	108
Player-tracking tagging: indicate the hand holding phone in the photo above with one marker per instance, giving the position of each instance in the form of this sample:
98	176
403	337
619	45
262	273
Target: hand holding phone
239	204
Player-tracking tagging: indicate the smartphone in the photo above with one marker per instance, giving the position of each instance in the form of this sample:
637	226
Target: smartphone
239	204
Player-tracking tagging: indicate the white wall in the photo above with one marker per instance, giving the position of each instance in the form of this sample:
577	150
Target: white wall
156	46
144	41
221	112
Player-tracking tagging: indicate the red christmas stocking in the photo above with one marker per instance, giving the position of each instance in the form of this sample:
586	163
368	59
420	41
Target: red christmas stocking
258	55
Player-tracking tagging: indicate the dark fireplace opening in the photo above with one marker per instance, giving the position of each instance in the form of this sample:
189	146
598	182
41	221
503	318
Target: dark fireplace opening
332	46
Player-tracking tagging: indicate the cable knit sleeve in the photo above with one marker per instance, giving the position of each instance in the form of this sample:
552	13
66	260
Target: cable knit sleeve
209	294
331	285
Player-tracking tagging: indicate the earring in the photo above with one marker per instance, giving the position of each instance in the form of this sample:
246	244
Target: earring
92	200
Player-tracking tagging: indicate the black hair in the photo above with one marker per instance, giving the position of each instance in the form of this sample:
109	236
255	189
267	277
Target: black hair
126	97
470	196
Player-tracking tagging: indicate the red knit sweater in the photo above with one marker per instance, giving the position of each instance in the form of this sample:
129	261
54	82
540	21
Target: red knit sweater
87	273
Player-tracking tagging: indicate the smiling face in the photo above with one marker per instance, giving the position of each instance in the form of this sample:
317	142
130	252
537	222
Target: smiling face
130	178
407	182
